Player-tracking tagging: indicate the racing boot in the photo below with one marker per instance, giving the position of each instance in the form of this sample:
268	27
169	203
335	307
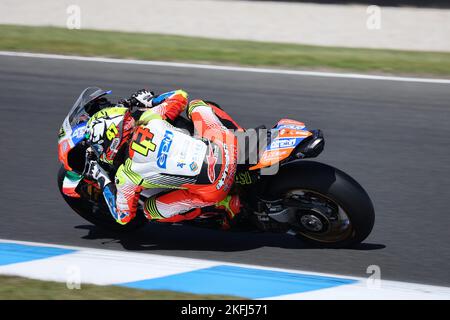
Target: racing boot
232	206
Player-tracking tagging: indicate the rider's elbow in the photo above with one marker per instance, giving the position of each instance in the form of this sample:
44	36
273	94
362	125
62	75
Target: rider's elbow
182	93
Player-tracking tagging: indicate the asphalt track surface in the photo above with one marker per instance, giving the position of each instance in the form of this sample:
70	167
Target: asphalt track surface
393	137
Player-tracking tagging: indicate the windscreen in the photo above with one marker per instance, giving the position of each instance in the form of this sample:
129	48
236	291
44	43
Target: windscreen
78	112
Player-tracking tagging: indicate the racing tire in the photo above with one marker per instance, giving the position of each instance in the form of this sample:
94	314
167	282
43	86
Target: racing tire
336	186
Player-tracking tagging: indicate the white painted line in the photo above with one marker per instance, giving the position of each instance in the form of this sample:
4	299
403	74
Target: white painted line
388	290
225	68
132	256
102	267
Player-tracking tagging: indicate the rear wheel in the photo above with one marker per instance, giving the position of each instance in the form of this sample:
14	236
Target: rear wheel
328	208
319	218
98	213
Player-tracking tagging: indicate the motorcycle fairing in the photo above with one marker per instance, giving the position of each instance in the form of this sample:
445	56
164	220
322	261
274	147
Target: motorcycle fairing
74	125
70	184
287	135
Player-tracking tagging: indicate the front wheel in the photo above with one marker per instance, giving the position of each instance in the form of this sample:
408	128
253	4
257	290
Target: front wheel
327	207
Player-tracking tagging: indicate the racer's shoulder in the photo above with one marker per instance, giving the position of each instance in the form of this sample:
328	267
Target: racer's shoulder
148	116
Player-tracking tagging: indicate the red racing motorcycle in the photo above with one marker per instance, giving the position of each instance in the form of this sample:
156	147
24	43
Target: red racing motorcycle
280	188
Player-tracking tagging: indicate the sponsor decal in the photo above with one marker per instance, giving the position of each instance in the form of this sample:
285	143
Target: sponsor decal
113	149
193	166
290	122
78	133
115	144
283	143
232	171
229	182
61	133
243	178
164	148
181	165
291	126
274	156
289	133
211	159
221	182
64	146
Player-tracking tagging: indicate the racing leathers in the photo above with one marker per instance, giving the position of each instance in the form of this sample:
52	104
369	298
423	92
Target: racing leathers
199	170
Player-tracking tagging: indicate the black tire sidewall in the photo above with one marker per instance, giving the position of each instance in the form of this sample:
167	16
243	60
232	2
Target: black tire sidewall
334	184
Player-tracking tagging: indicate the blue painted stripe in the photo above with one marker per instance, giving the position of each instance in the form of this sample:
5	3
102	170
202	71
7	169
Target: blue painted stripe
239	281
15	253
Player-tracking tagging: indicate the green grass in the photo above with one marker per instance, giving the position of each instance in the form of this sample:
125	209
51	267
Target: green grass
248	53
17	288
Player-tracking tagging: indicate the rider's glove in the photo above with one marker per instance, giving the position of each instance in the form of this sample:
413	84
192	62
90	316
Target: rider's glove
94	171
144	97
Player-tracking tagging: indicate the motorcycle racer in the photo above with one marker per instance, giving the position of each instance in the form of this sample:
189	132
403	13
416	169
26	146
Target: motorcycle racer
149	152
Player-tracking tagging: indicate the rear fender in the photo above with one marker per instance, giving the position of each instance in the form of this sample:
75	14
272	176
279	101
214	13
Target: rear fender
305	170
285	137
